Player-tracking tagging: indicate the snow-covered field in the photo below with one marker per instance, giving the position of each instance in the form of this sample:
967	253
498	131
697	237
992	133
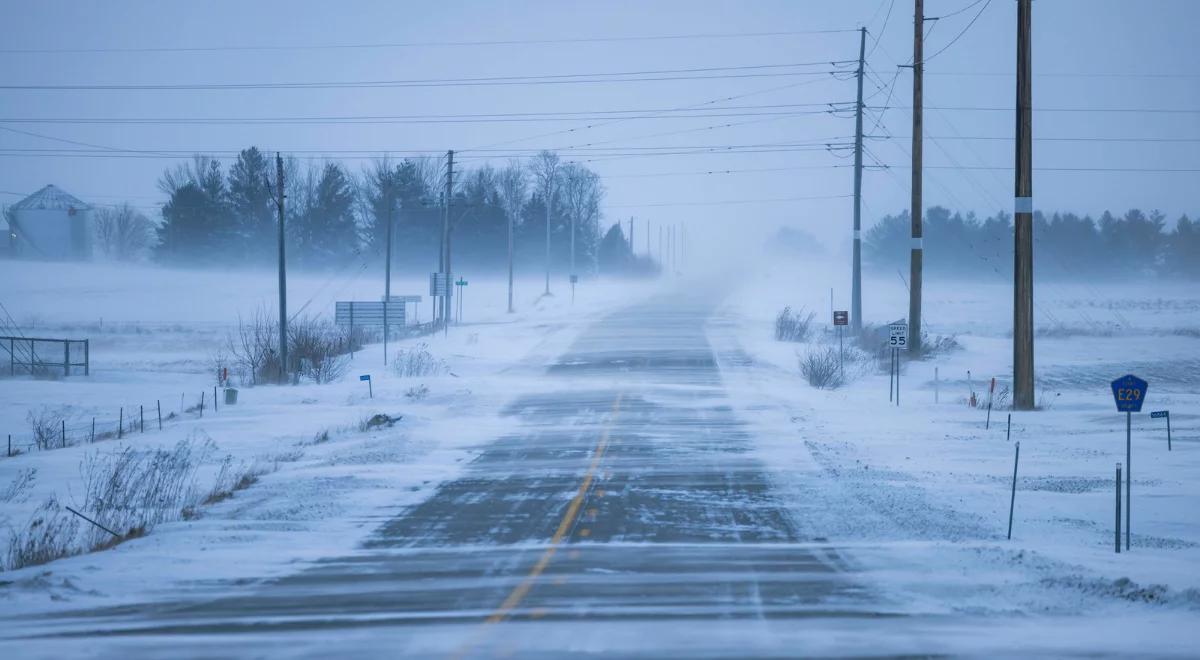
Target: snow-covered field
154	333
918	494
922	490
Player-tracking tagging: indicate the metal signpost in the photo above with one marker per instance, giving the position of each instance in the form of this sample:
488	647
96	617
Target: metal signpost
370	389
462	282
368	313
1160	414
897	341
1129	392
841	318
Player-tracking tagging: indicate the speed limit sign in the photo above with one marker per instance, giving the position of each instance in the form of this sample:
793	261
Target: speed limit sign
898	336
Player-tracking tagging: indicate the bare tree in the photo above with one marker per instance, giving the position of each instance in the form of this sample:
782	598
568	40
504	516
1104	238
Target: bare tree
545	169
581	196
123	232
513	186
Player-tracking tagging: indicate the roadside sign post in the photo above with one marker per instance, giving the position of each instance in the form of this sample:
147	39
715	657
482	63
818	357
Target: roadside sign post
897	341
368	313
439	287
1117	526
1159	414
841	319
461	283
370	389
1129	392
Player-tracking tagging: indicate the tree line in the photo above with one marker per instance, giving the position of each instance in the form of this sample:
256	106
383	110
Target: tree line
221	216
1066	245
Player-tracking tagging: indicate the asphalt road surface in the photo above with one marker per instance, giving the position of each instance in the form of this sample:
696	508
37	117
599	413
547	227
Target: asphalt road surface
625	517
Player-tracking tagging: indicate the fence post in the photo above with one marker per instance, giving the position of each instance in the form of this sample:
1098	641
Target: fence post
1013	501
214	398
87	357
142	418
202	404
64	432
12	357
66	358
93	429
158	404
121	424
10	444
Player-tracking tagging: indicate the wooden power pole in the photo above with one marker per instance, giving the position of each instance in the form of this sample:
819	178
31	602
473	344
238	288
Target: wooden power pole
449	196
916	253
1023	218
856	267
279	196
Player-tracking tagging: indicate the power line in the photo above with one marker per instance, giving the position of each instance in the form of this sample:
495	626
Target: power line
422	44
367	120
543	79
1009	109
765	200
960	34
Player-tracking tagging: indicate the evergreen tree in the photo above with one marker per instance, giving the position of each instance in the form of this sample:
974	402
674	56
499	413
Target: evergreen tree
325	231
196	227
252	204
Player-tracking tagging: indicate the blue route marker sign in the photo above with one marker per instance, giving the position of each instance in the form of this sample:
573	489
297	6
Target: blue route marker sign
1129	392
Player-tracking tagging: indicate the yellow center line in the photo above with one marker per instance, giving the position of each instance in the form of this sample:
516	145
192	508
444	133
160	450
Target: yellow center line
564	527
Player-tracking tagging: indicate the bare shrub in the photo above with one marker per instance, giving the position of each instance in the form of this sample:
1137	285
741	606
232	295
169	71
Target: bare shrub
16	491
416	393
821	369
46	425
252	349
320	348
49	535
417	361
130	491
232	478
793	326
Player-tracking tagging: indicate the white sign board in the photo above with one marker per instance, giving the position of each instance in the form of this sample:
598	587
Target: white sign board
439	284
898	336
367	313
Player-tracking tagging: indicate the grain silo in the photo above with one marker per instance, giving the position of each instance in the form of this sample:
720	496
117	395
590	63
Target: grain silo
51	224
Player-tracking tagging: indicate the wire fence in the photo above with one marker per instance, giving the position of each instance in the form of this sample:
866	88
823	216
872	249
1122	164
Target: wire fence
56	428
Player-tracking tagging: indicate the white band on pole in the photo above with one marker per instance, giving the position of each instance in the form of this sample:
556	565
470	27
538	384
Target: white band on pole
1022	205
918	243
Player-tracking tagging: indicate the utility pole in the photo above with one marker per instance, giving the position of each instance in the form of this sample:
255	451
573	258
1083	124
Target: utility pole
549	203
917	253
1023	217
660	248
279	196
510	262
387	268
856	267
572	276
631	248
449	196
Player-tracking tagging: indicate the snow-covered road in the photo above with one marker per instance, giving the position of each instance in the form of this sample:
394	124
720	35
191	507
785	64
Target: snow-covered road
662	492
628	494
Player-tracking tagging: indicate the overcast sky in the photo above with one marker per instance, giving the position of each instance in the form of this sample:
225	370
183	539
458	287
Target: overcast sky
1089	55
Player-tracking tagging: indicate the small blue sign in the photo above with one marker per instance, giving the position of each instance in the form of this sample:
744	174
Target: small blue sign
1159	414
365	377
1129	392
